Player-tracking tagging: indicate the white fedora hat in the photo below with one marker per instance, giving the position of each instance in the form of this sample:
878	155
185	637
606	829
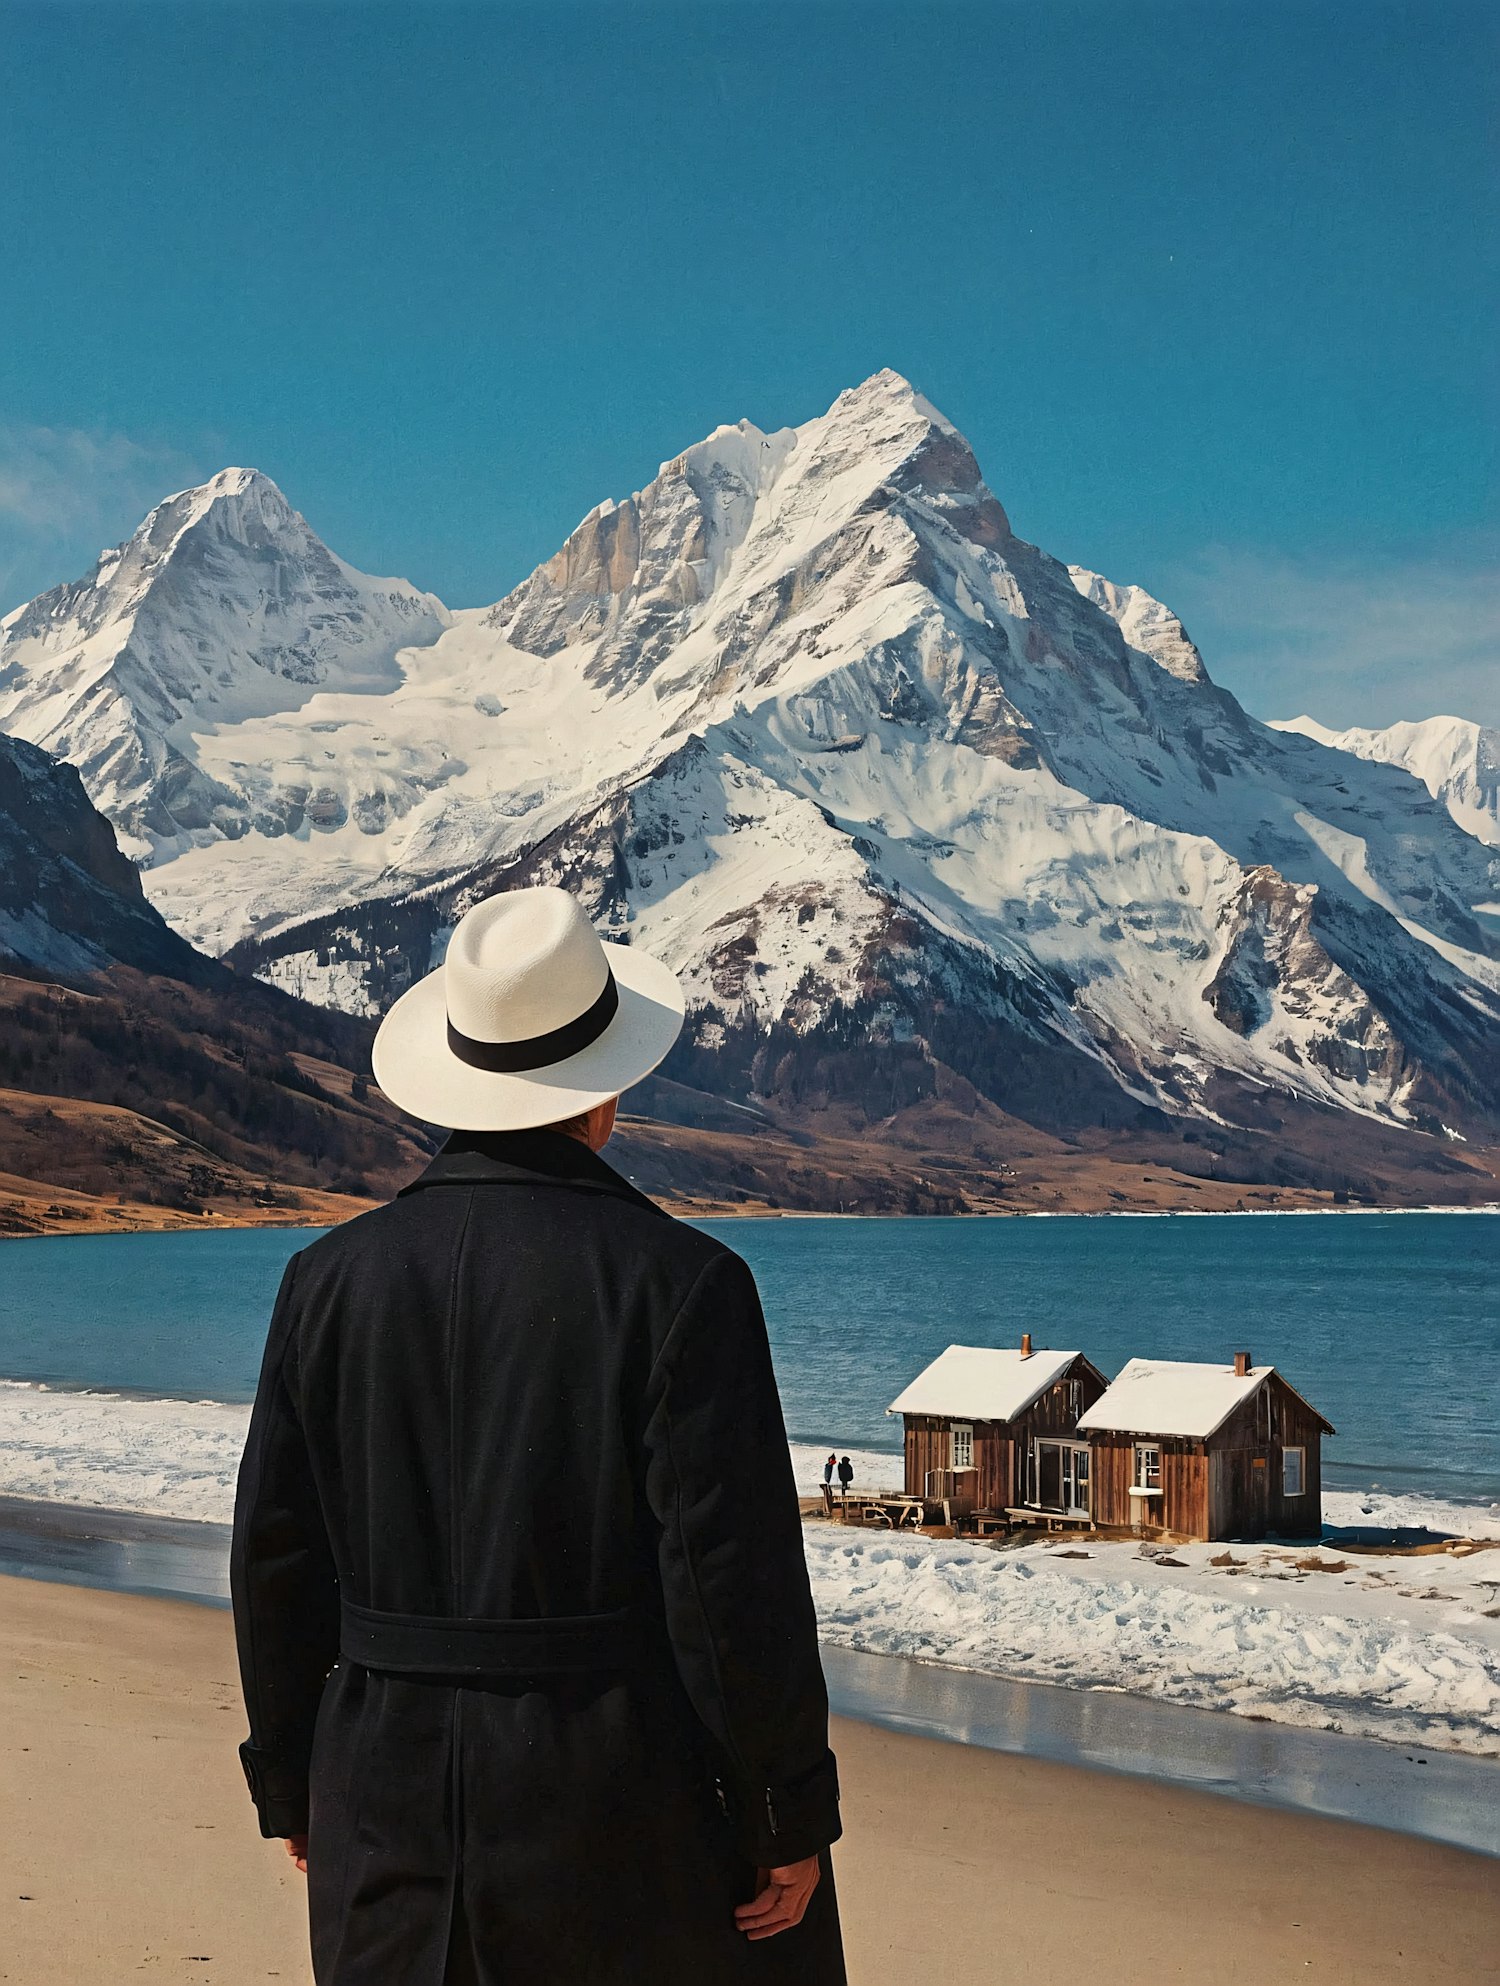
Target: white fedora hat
529	1019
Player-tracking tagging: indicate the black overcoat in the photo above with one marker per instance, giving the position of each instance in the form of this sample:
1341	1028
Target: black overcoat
523	1400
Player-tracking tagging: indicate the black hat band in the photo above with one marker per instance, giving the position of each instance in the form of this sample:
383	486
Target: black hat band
538	1051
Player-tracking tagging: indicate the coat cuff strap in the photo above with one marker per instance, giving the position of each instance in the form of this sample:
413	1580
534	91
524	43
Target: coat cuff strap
797	1817
279	1790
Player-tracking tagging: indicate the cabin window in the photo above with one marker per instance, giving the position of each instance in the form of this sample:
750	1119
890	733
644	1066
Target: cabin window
963	1445
1293	1471
1148	1465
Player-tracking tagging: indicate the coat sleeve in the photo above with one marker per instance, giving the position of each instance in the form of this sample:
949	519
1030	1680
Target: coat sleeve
283	1585
734	1574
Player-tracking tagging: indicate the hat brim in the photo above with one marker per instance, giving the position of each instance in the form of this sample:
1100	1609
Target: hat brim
420	1074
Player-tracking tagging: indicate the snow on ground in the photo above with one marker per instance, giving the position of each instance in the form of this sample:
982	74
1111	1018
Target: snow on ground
1395	1510
1401	1648
178	1458
1397	1648
873	1469
170	1458
1455	760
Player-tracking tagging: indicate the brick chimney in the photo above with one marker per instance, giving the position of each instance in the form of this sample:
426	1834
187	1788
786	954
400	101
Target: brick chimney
1026	1344
1242	1365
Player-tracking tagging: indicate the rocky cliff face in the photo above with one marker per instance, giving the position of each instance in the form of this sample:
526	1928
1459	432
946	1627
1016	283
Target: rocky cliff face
70	902
907	801
141	1083
1146	624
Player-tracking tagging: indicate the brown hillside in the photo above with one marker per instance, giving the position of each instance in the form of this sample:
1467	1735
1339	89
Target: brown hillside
957	1153
138	1101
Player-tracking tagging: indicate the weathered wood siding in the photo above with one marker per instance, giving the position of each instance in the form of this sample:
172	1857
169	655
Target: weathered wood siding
1226	1487
1246	1499
992	1460
1056	1412
1182	1508
1001	1447
929	1447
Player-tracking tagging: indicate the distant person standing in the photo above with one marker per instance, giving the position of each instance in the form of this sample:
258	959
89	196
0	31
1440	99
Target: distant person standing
828	1468
846	1476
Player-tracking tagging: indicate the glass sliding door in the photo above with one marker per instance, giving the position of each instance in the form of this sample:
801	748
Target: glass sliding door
1058	1477
1076	1478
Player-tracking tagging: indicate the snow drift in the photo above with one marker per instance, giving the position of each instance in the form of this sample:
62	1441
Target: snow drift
1389	1647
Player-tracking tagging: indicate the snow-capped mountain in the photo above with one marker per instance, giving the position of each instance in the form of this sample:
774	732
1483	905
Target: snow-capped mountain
1145	623
223	606
907	801
1458	762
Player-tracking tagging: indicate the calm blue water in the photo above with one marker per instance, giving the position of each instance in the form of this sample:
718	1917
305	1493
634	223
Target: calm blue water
1390	1325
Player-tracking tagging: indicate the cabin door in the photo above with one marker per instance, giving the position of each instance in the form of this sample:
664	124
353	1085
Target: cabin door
1258	1517
1060	1477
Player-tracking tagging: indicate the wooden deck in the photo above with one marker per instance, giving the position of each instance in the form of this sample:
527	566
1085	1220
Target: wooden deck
1055	1520
899	1510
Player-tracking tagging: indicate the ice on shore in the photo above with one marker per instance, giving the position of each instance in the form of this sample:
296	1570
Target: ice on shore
1383	1647
169	1458
1401	1648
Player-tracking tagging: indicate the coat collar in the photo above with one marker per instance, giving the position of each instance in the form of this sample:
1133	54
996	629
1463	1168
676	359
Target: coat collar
482	1158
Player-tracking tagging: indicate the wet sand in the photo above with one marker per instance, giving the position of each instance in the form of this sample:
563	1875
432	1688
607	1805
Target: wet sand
132	1851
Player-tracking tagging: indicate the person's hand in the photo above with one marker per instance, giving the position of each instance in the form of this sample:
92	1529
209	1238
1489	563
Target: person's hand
296	1847
781	1896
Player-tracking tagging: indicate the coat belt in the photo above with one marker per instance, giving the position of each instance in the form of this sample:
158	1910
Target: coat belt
438	1645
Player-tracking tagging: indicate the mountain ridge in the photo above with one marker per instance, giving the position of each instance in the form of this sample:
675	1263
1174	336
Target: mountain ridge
883	781
1457	760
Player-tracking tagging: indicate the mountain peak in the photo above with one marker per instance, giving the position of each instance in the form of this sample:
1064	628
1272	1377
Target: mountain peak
226	493
1145	623
885	394
668	548
885	385
235	482
222	605
888	397
896	791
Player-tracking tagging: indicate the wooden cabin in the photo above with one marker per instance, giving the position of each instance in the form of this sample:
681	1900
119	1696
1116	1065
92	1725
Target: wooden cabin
995	1430
1205	1452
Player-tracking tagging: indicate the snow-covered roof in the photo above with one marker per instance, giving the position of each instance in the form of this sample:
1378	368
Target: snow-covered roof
1167	1396
977	1382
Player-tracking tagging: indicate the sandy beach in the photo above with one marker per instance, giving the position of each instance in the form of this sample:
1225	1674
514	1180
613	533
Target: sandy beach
133	1850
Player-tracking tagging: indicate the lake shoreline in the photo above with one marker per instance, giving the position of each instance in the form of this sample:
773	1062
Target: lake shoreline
163	1338
1420	1792
1091	1710
112	1221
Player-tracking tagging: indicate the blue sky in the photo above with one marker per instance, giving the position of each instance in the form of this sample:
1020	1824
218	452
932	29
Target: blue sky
1210	287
